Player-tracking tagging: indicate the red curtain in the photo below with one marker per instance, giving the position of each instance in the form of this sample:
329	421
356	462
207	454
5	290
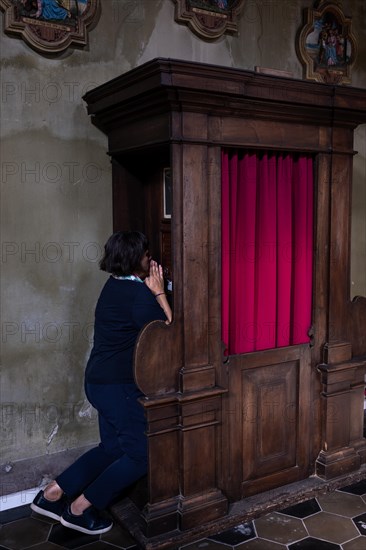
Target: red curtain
267	249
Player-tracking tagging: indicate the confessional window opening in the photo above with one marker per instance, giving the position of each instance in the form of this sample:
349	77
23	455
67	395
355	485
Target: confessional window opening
139	201
358	215
165	226
267	249
167	193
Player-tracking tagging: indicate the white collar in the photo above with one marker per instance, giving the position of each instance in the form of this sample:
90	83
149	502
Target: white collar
128	278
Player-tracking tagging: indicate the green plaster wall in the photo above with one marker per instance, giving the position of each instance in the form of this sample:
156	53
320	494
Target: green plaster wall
56	202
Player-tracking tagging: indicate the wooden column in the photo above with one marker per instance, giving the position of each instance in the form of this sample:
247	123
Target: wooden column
343	448
184	402
201	499
342	372
160	513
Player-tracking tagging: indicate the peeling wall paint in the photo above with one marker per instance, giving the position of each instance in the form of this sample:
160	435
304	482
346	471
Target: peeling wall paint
52	434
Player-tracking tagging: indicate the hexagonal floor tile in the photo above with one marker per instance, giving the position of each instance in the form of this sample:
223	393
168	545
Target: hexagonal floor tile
204	544
355	489
260	544
360	522
330	527
44	546
280	528
355	544
311	543
23	533
119	537
236	535
100	545
302	510
343	504
69	538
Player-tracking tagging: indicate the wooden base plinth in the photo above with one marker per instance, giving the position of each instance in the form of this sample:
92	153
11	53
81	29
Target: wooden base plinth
247	509
332	465
360	448
206	508
157	520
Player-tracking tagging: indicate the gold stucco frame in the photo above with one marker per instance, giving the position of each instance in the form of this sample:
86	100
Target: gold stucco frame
207	20
49	37
326	45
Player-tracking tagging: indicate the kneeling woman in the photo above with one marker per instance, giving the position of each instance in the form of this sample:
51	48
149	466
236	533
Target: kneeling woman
132	296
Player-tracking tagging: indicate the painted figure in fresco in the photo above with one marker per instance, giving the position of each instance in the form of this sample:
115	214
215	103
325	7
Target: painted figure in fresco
211	5
52	9
331	48
331	51
331	42
340	46
222	4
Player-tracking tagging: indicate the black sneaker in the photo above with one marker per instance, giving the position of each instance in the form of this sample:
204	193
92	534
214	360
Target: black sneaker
50	508
89	522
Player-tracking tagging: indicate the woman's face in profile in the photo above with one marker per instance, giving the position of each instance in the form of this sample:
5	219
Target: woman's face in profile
145	264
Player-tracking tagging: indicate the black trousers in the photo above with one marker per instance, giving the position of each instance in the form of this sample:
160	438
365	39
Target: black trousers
120	459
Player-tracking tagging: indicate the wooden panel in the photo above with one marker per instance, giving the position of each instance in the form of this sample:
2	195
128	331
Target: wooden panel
356	325
214	261
339	287
164	354
270	410
321	253
200	425
195	126
357	413
198	467
265	134
266	419
163	448
127	136
337	421
195	256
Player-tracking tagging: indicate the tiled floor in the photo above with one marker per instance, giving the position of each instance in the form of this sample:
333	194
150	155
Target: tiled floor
334	521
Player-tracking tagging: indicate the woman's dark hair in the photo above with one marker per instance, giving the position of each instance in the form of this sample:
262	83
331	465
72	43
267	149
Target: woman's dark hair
123	252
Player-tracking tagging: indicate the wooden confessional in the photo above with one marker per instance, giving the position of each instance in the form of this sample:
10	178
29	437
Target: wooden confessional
171	119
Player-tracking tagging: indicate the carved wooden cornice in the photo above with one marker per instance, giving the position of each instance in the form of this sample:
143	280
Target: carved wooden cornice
165	86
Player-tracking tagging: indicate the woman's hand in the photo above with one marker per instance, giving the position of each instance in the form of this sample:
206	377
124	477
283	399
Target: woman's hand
155	282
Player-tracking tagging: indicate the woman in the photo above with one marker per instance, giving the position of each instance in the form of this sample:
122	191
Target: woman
52	9
132	296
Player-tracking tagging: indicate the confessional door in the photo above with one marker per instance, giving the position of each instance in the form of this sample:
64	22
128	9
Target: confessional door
266	420
267	272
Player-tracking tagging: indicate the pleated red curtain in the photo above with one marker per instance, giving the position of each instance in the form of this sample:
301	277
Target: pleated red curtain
267	249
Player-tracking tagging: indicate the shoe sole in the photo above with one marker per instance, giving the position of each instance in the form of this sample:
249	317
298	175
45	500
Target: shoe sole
83	529
44	512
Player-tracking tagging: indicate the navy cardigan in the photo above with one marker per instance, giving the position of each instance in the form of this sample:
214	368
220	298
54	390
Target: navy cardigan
123	308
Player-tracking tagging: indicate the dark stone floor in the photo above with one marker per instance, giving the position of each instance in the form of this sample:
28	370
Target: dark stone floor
333	521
